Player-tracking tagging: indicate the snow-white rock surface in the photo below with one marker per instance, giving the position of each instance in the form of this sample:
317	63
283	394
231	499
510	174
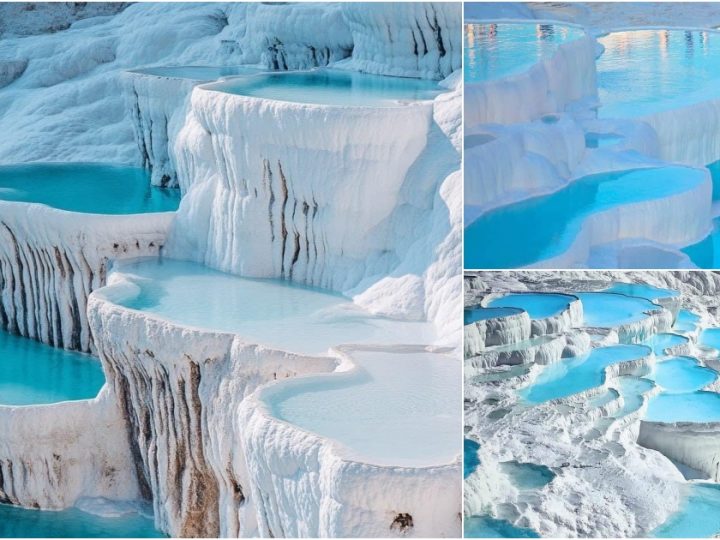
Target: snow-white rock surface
613	475
51	260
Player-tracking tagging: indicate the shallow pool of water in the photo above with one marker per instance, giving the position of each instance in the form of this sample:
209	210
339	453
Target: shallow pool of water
478	313
697	406
537	305
574	375
398	409
495	50
32	373
198	73
267	311
706	252
698	517
686	321
682	374
527	476
710	337
331	87
72	523
487	527
540	228
642	290
646	71
471	460
663	341
608	310
96	188
632	390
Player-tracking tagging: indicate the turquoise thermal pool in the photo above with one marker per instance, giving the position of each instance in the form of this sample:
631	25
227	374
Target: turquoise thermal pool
710	337
686	321
32	373
471	461
697	406
706	252
642	72
632	390
271	312
397	409
608	310
482	314
95	188
198	73
331	87
682	374
538	306
16	522
496	50
660	342
573	375
531	231
698	517
649	292
487	527
527	476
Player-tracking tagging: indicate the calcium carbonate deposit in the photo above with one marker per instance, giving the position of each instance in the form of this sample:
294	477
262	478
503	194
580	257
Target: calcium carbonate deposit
232	233
599	418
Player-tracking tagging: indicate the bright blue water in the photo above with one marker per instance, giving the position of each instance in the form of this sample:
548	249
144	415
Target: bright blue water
710	337
266	311
86	187
706	253
531	231
487	527
660	342
398	409
32	373
495	50
686	321
331	87
642	290
72	523
471	461
198	73
697	406
632	390
527	476
699	516
607	310
482	314
645	71
577	374
537	305
682	374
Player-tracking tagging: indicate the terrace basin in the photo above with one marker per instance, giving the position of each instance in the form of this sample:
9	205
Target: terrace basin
32	373
497	50
710	337
693	407
270	312
95	188
478	313
487	527
573	375
540	228
642	72
663	341
398	408
642	290
537	305
682	374
331	87
609	310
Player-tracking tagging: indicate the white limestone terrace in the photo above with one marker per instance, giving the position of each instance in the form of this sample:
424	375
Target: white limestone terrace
278	437
61	225
603	437
603	127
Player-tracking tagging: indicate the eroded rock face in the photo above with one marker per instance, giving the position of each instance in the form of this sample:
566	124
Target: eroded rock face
50	261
